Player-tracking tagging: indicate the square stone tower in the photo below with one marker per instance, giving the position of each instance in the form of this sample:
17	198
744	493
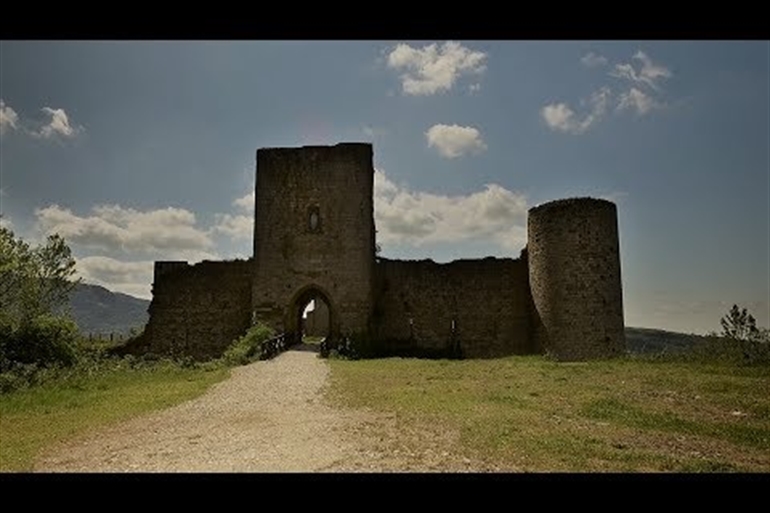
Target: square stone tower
314	235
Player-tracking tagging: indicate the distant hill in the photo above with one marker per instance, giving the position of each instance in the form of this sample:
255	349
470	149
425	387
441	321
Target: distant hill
648	340
100	311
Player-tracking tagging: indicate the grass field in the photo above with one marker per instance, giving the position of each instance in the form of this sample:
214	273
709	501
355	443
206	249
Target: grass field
40	417
509	414
532	414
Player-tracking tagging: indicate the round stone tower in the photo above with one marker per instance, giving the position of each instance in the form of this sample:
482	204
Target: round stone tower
574	275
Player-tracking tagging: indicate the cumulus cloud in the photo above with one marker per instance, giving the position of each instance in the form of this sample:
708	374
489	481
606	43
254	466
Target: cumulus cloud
134	278
59	125
649	73
237	227
8	118
404	216
454	140
560	117
168	231
637	100
592	60
246	202
434	68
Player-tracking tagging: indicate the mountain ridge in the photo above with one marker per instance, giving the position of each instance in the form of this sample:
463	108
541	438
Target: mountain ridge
99	311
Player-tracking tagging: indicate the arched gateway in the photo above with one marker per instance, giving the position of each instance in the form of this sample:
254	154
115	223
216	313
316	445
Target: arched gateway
314	235
294	322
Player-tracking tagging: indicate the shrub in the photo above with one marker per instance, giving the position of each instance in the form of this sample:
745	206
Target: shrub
45	340
248	348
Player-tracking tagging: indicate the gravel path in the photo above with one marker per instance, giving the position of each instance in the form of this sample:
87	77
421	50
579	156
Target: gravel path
270	416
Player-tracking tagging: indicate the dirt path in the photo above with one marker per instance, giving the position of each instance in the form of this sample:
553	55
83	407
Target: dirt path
269	416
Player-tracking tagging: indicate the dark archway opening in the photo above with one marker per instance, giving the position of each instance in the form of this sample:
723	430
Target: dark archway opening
312	317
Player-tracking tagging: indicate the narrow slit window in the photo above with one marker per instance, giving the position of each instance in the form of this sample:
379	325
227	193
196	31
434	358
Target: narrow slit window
314	220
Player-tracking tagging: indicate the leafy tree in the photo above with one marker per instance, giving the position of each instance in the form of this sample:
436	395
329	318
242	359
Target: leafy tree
738	324
33	281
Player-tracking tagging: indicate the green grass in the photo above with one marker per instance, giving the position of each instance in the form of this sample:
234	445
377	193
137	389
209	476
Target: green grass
37	418
532	414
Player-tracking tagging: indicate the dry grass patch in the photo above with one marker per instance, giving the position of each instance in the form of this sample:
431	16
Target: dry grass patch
532	414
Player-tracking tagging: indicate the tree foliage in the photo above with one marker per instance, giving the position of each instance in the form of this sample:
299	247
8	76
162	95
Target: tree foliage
739	324
34	281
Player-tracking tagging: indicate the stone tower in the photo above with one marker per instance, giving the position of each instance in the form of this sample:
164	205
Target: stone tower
574	275
314	236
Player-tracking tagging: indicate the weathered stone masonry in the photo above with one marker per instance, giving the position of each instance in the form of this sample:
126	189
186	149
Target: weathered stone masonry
314	237
482	307
199	310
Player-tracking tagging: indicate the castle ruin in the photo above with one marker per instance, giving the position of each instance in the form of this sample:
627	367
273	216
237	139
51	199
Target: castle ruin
314	239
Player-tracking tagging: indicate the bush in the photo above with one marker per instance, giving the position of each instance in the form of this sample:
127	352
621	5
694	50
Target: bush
248	348
46	340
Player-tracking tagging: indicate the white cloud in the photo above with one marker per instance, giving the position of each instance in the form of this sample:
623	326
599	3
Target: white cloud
238	226
434	68
636	99
134	278
59	125
246	203
8	118
560	117
474	88
648	75
168	232
235	226
593	60
453	140
403	216
651	72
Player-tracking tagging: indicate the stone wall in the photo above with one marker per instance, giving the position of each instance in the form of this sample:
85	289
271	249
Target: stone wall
488	301
198	310
314	237
574	272
314	233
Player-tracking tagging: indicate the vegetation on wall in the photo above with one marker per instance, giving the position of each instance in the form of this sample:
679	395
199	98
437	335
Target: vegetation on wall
252	346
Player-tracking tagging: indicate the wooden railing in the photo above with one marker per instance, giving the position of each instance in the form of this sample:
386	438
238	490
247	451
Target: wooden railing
272	347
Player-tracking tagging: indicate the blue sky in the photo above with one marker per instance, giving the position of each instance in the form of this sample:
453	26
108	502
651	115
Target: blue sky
142	151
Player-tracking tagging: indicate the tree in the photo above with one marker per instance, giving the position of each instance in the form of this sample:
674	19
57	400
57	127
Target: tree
34	281
738	324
